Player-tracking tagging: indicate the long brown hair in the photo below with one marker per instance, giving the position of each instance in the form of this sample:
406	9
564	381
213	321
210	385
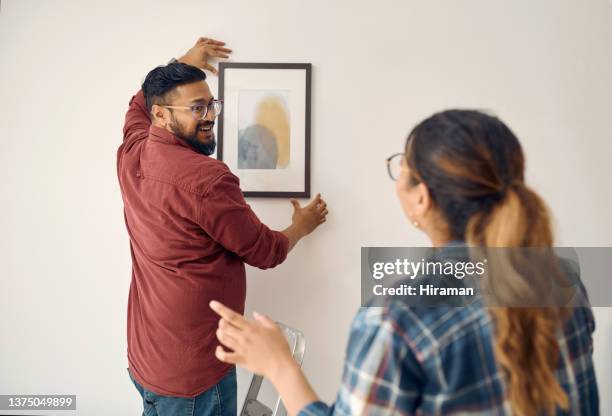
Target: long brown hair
473	167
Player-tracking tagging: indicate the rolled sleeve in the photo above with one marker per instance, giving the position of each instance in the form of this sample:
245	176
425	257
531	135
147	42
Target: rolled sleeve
226	217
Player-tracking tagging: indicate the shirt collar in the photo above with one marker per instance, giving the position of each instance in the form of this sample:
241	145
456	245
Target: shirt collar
453	248
455	243
162	135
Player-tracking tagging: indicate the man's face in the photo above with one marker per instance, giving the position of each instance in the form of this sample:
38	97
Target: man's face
198	133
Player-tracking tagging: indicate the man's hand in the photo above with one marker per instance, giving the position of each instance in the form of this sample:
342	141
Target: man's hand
305	219
308	218
205	49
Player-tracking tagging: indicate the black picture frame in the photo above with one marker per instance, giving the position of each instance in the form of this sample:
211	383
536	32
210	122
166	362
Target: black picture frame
223	66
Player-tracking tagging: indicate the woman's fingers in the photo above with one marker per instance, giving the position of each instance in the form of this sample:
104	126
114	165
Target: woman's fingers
264	320
229	315
227	356
229	341
231	330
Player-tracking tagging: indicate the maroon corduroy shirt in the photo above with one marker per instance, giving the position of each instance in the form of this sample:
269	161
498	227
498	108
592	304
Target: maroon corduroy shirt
191	232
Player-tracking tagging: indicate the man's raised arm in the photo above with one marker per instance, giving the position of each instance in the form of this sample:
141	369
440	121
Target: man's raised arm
137	121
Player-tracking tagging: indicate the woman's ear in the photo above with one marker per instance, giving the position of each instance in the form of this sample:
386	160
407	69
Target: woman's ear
424	202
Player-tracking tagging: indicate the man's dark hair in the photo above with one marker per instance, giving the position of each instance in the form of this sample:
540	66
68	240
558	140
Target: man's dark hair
161	81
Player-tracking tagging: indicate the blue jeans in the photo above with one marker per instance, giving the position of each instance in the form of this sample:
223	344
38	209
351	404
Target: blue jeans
220	399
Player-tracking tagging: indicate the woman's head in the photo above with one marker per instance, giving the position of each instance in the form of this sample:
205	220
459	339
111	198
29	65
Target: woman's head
462	178
460	167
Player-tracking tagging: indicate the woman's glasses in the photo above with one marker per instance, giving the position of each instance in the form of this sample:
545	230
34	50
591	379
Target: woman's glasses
394	165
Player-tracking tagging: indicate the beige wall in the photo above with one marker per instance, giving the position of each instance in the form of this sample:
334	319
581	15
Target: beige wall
68	69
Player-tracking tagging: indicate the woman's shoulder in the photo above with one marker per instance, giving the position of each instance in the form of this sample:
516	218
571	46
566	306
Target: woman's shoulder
425	329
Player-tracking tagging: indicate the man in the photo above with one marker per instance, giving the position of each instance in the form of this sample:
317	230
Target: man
191	232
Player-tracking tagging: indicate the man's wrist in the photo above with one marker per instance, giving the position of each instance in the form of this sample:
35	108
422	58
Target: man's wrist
293	235
183	59
297	230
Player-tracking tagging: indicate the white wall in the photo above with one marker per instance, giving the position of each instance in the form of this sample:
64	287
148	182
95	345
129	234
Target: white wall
68	69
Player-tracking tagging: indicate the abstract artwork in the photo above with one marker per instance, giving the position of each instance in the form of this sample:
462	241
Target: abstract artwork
264	130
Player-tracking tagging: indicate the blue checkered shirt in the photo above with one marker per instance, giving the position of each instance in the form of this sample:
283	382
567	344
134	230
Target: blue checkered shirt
440	360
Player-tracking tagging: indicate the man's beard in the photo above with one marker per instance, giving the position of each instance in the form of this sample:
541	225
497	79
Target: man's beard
191	138
200	147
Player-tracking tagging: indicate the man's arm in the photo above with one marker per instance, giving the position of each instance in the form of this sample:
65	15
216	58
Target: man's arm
137	121
306	219
135	128
226	217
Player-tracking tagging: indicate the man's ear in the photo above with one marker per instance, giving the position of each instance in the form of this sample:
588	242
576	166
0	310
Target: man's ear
160	115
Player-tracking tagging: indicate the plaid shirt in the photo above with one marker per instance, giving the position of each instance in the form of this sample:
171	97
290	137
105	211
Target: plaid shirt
440	360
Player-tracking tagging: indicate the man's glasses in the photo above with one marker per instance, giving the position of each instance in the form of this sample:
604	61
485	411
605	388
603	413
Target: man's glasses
394	165
200	111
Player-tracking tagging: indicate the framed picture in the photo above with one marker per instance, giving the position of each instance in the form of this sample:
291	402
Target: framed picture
264	129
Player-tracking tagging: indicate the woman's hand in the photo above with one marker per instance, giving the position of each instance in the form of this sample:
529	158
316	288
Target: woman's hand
258	345
261	348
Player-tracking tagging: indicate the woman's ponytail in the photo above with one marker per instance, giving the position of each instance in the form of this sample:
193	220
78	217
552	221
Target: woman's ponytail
526	345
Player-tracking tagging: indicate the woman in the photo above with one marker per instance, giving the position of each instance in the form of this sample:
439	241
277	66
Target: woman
461	181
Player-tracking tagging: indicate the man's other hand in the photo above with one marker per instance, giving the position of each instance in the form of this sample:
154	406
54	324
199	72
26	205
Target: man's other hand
307	218
203	51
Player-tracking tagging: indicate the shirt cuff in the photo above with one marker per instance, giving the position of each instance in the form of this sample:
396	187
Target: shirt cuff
317	408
